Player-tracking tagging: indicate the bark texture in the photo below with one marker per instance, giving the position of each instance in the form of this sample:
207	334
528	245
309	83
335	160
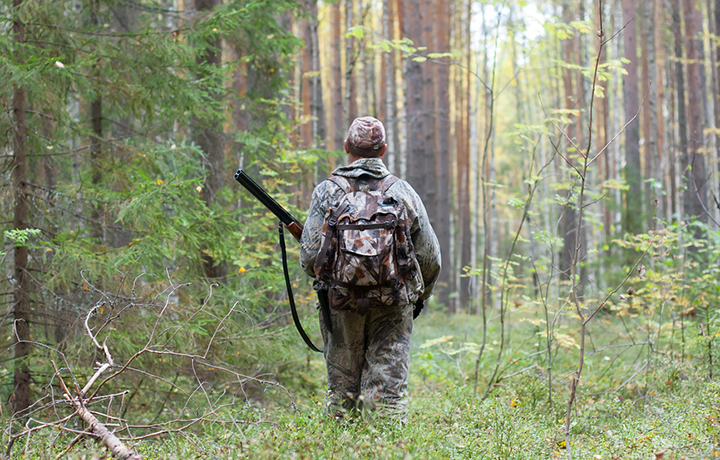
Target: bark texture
633	198
117	448
442	149
208	136
568	222
418	123
21	291
338	128
682	141
693	160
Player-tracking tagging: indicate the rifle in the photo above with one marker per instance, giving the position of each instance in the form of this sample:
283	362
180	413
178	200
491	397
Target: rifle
295	228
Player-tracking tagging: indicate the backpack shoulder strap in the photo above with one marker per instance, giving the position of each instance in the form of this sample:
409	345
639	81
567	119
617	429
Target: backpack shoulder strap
323	256
343	183
387	182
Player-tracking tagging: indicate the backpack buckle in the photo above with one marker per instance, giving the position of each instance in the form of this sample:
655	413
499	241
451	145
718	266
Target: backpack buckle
332	220
336	213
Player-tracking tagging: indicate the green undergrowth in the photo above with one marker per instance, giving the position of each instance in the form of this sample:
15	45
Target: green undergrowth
634	402
455	425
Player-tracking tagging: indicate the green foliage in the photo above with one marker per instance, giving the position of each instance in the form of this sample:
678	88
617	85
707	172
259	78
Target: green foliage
142	184
670	409
223	352
20	237
356	32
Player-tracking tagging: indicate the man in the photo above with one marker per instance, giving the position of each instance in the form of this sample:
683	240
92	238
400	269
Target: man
367	352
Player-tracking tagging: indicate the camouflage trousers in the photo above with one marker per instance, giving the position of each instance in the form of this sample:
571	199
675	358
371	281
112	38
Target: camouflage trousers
368	359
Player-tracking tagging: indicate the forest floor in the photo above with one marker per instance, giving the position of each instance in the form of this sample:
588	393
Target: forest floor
628	407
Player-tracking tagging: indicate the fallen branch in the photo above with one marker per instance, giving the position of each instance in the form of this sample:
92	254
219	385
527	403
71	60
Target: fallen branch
117	448
80	397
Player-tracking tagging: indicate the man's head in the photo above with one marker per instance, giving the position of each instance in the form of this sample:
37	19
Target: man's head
366	138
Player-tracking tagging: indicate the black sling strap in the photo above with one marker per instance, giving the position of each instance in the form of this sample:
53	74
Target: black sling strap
291	298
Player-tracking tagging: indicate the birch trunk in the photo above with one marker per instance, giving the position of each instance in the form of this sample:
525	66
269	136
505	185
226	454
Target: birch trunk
112	442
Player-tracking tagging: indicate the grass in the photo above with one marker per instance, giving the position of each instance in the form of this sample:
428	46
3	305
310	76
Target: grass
632	405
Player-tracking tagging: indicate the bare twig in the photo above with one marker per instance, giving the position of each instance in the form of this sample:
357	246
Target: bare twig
99	430
80	399
511	252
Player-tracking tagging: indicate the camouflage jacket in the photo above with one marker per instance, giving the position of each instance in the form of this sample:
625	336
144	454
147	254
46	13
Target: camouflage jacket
327	194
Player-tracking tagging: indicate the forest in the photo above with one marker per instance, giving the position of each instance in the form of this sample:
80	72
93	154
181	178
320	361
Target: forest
567	153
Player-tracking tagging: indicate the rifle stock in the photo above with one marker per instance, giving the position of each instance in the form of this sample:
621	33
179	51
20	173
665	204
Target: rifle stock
295	230
291	224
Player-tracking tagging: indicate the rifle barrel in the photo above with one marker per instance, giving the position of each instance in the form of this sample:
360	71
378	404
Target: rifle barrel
285	217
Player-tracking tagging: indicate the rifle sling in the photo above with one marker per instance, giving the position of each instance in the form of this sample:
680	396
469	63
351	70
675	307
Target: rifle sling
291	298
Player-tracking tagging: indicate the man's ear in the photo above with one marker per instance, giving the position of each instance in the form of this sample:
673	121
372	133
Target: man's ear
382	151
347	147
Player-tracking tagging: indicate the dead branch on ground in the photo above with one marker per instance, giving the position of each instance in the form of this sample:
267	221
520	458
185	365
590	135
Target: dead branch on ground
77	401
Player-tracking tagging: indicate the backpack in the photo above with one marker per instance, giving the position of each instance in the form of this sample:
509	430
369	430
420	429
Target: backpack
366	253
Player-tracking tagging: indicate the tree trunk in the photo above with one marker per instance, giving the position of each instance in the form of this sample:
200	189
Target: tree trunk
682	145
470	113
693	160
365	75
601	134
633	197
713	17
648	116
489	228
568	223
418	122
338	127
312	92
316	94
658	30
427	158
351	110
717	99
21	290
583	89
385	101
401	85
393	125
208	136
314	133
96	153
96	141
616	120
306	132
442	147
465	179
